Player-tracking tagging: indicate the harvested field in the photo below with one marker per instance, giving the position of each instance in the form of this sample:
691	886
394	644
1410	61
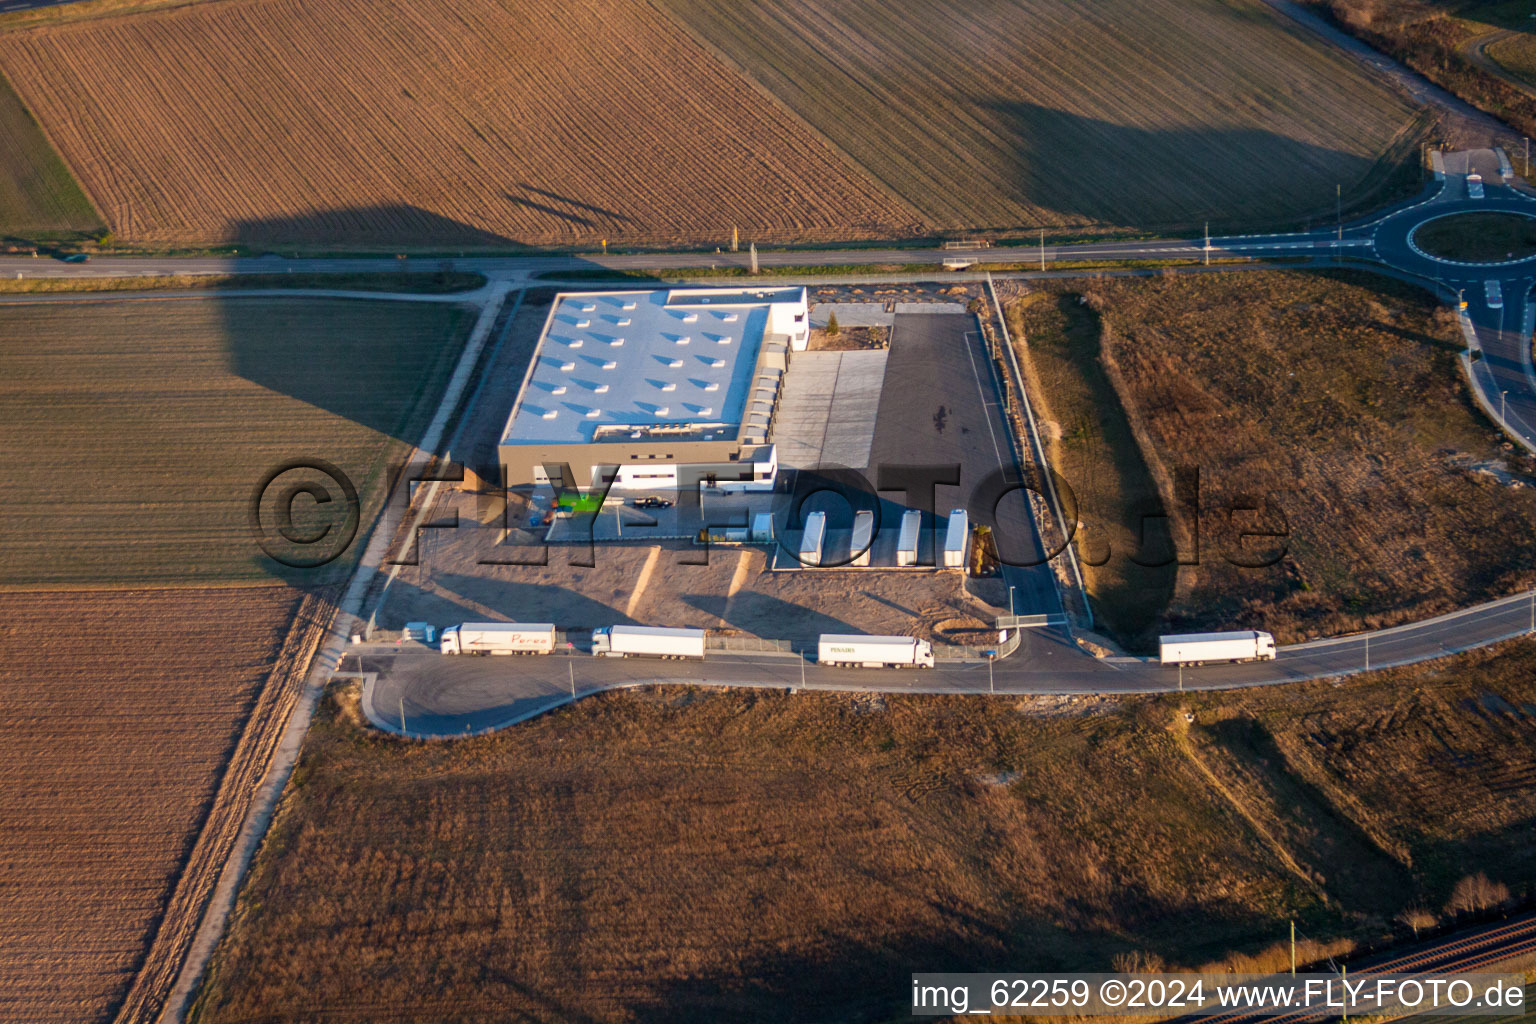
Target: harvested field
495	123
139	430
1026	112
37	195
125	712
680	855
1332	408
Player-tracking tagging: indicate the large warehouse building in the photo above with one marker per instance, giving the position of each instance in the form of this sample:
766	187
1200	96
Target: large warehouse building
628	386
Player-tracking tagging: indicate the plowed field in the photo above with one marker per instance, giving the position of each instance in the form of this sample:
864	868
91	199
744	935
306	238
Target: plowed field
122	711
477	122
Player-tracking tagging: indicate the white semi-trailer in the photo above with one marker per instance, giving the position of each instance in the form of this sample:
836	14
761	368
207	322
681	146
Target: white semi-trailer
906	542
813	538
863	537
874	651
957	539
499	638
1200	648
647	642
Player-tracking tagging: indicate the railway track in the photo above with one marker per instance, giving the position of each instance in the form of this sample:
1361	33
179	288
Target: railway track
1468	951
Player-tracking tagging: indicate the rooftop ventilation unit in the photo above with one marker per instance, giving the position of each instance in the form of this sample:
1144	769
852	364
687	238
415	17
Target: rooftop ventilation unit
601	389
690	318
574	343
583	323
558	389
716	363
615	342
567	367
669	386
550	414
624	321
663	411
589	307
610	365
630	304
729	318
712	386
593	413
683	339
724	339
674	363
708	410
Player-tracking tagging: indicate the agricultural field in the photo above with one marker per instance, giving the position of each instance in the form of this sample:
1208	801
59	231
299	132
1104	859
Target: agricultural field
123	712
492	124
693	855
38	198
140	429
1331	404
1144	113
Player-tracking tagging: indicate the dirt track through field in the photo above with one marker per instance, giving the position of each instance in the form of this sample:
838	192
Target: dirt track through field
464	123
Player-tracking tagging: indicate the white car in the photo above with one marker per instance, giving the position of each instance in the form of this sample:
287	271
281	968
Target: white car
1474	186
1495	295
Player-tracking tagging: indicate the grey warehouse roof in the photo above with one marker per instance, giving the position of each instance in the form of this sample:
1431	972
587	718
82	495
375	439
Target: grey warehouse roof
675	361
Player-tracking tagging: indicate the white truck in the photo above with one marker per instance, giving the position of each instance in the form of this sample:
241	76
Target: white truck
957	539
857	649
1203	648
647	642
1474	186
813	538
499	638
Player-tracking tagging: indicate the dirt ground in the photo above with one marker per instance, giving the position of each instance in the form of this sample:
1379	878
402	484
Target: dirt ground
660	584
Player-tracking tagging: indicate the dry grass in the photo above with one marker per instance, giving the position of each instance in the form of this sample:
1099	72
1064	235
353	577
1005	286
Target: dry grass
439	283
465	124
1122	542
677	855
1148	113
1429	36
121	711
139	430
37	194
1336	405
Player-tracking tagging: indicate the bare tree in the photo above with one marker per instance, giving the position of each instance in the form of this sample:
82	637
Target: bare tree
1417	919
1476	893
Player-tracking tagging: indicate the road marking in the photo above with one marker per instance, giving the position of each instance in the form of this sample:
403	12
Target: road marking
643	581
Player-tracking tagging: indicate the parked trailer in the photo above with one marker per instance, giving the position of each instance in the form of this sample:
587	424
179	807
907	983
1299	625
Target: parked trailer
811	541
957	539
499	638
647	642
856	649
863	537
911	532
1198	648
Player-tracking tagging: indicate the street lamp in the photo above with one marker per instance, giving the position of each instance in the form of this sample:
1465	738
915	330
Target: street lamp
1502	395
1011	589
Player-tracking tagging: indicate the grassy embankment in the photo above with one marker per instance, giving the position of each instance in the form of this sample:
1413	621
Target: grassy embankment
437	283
1431	38
141	429
687	855
1327	408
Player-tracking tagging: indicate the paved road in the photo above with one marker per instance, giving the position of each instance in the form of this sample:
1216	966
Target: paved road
452	696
